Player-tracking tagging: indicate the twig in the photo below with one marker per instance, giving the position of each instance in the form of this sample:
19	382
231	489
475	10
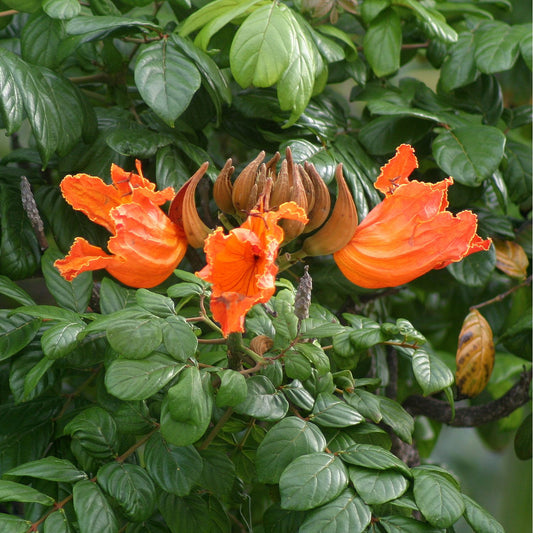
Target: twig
214	432
475	415
8	12
503	295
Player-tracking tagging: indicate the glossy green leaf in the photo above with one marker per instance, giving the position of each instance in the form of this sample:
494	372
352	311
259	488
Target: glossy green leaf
312	480
232	389
479	519
290	438
186	410
405	524
175	469
365	403
10	289
11	103
297	394
61	9
57	523
40	40
496	46
331	411
437	497
92	509
262	47
11	491
93	28
397	418
50	468
263	400
190	513
131	487
139	380
376	487
135	335
166	79
430	372
459	68
114	297
61	339
296	365
347	512
278	520
382	43
475	269
14	524
179	338
154	303
373	457
16	332
469	154
218	473
314	353
522	439
96	431
517	172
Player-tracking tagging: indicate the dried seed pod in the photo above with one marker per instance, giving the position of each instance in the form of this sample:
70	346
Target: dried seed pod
183	210
223	188
261	344
475	355
340	227
511	258
319	211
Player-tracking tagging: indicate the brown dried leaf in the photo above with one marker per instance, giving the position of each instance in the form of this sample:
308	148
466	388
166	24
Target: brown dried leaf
511	258
261	344
475	355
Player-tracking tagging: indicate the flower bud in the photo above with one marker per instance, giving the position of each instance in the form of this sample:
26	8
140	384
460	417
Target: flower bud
341	225
223	188
319	211
243	185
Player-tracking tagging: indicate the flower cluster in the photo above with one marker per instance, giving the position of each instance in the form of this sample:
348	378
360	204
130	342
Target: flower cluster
405	236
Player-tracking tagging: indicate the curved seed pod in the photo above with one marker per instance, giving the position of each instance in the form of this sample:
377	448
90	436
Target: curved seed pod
475	355
308	187
322	200
340	227
223	189
183	210
244	183
511	258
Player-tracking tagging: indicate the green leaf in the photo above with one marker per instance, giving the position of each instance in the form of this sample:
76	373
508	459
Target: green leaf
522	439
61	339
459	68
330	411
278	520
218	473
62	9
154	303
114	297
296	365
139	380
364	402
186	410
179	338
176	469
397	418
92	509
11	103
57	523
475	269
312	480
290	438
382	43
469	154
74	295
135	335
437	497
262	47
298	395
348	512
133	139
16	492
14	292
479	519
263	400
96	28
190	513
40	40
496	46
526	49
232	389
376	487
50	468
19	250
405	524
131	487
16	332
430	372
315	355
517	172
96	431
166	79
373	457
14	524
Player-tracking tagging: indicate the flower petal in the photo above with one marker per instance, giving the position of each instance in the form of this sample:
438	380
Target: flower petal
397	170
83	257
229	310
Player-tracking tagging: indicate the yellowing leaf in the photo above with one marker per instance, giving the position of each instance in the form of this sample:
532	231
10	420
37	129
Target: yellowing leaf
475	355
511	258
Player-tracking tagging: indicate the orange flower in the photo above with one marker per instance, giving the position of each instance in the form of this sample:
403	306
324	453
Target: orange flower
410	232
146	245
241	266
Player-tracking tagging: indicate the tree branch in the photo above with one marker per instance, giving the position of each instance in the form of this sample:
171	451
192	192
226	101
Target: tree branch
475	415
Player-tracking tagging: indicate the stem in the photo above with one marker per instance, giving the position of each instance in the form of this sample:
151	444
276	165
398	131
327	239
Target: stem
287	260
100	76
138	444
214	432
237	348
8	13
503	295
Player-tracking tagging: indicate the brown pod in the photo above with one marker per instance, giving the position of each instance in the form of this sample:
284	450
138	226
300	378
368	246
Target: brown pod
223	188
242	186
475	355
511	258
319	211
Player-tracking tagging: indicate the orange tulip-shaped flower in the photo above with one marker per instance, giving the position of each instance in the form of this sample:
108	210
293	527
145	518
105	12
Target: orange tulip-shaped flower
242	265
410	232
146	245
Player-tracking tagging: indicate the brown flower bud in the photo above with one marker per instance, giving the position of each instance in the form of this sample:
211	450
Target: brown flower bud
340	227
319	211
183	210
243	185
293	228
223	188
